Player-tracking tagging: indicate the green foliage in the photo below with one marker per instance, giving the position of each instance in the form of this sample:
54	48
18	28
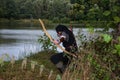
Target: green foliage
1	62
99	52
61	9
117	49
58	77
116	19
42	66
56	20
106	13
65	20
73	1
107	38
96	10
46	43
90	29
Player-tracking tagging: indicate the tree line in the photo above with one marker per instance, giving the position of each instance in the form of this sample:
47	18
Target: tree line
99	10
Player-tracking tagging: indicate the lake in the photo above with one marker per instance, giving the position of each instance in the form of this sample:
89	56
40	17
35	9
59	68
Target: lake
20	42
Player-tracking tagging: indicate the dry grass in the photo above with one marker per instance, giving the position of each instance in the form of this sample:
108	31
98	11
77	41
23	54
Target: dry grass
14	72
79	69
88	66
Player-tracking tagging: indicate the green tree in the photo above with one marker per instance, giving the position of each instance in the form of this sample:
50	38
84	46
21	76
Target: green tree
8	9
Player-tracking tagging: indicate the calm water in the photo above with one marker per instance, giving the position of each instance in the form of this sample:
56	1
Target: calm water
22	42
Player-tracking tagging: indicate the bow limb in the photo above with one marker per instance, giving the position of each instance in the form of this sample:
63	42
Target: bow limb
43	26
47	34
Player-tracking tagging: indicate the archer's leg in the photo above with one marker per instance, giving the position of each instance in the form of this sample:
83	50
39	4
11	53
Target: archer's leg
58	59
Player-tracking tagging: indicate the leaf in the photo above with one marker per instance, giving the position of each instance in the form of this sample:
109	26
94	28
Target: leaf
116	19
115	8
114	51
82	6
34	62
58	77
106	13
1	62
119	38
117	47
42	66
92	10
91	30
107	38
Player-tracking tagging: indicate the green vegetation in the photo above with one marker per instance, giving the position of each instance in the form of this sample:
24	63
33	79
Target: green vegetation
79	13
61	10
98	59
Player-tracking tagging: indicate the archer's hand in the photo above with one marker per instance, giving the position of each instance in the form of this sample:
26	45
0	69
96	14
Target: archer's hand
56	42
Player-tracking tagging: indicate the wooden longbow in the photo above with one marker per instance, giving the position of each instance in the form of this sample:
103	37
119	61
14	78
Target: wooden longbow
51	39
